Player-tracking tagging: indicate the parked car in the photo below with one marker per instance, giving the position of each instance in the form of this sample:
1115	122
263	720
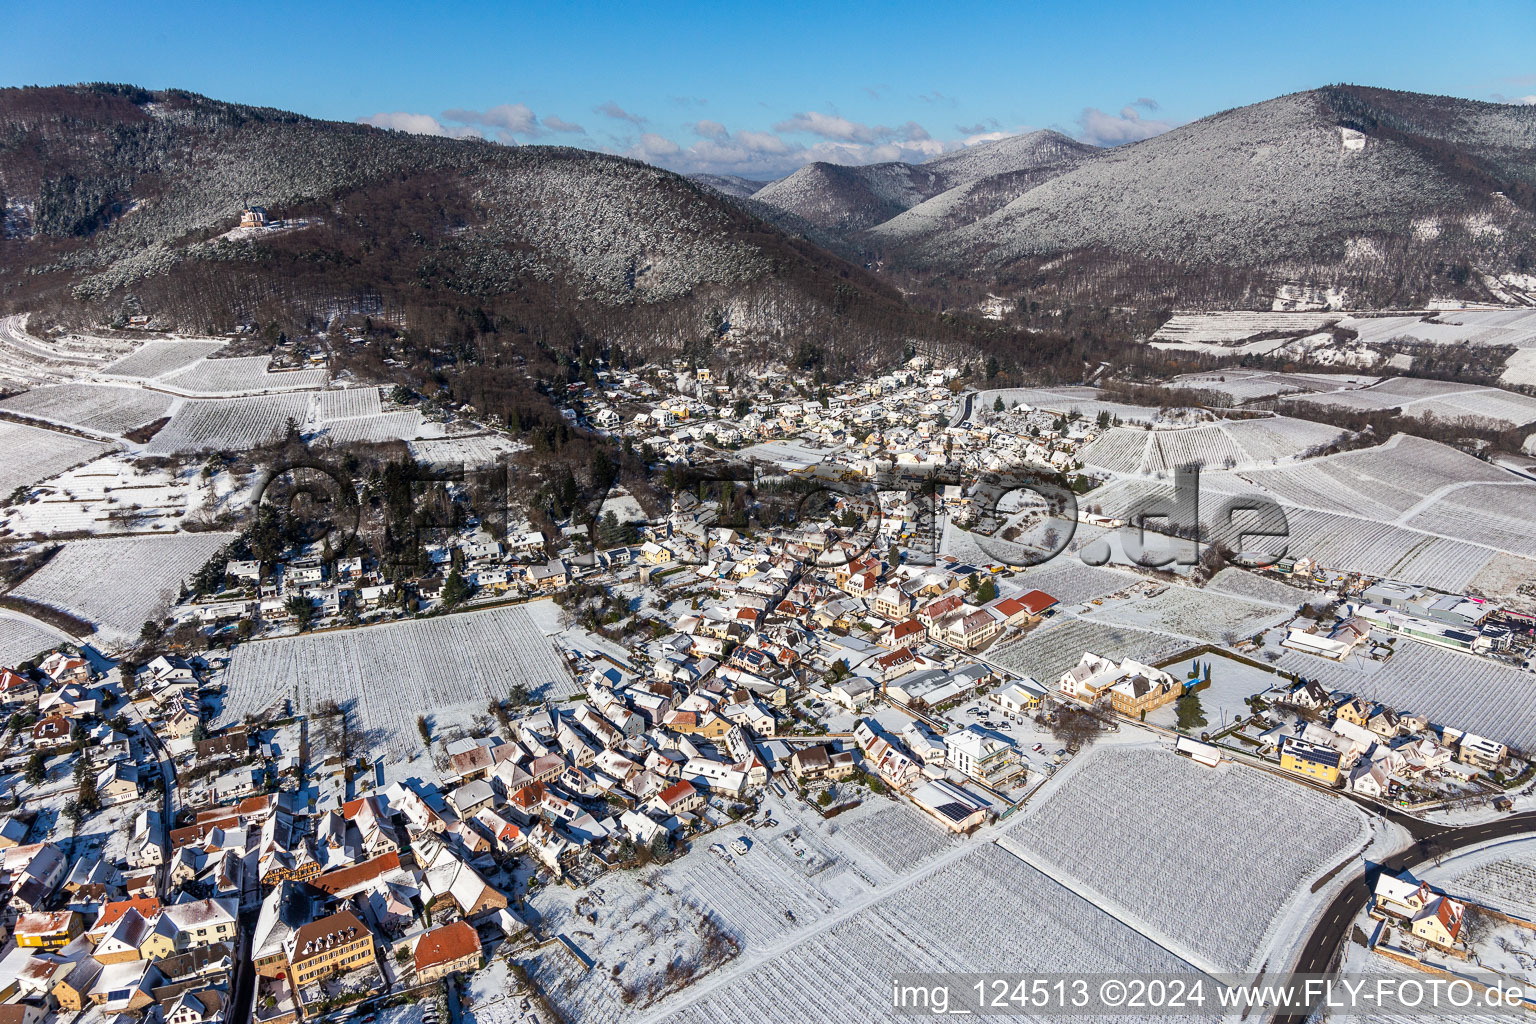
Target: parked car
741	845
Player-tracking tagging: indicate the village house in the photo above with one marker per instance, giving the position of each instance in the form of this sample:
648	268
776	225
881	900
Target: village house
446	949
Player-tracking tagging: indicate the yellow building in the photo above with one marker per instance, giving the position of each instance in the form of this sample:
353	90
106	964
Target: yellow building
332	945
47	929
1311	760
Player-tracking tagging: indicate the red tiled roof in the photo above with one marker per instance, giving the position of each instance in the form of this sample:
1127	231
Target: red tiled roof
446	944
1037	601
147	906
677	792
341	879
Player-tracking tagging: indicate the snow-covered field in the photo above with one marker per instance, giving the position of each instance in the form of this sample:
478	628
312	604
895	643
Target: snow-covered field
389	426
101	408
1263	589
1235	327
988	910
120	583
1409	509
1506	881
1251	385
234	424
1442	399
114	494
1203	860
31	361
346	403
1184	611
1052	649
158	358
1086	402
1071	582
1451	688
32	454
1236	444
447	668
469	451
21	638
242	374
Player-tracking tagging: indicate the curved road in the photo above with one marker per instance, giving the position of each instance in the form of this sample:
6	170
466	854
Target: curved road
1328	937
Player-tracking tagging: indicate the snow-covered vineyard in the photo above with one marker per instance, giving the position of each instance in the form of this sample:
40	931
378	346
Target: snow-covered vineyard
235	423
446	668
1236	444
1198	859
23	638
245	374
1407	509
118	584
1048	652
98	408
33	454
985	908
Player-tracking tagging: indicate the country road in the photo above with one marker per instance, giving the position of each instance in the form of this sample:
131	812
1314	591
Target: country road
1328	937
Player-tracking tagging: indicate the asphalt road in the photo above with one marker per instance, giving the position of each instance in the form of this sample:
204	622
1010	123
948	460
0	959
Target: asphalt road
1430	841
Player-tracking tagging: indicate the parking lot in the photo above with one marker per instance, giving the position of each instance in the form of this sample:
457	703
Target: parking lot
1025	733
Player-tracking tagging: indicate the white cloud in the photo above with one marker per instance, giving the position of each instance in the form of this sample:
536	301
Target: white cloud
1101	129
515	118
618	113
507	121
710	129
420	124
830	126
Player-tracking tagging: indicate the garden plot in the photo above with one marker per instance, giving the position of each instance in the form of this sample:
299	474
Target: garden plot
986	911
389	426
156	359
241	374
634	926
229	424
114	494
469	451
1048	652
1221	703
1474	694
1203	860
749	896
33	454
447	668
1191	613
121	583
348	403
101	408
22	638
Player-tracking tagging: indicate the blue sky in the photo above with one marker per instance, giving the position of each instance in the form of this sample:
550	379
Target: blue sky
759	89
